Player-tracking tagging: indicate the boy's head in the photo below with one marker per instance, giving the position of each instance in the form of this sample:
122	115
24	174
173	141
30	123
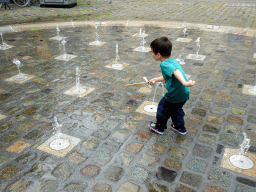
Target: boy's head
162	46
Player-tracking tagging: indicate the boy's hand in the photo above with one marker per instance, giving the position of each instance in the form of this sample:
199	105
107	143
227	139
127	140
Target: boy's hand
190	83
151	82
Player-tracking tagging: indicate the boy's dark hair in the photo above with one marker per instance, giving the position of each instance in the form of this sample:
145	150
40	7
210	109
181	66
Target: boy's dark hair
162	45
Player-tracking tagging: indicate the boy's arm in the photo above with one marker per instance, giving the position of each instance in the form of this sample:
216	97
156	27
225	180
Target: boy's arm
180	77
156	79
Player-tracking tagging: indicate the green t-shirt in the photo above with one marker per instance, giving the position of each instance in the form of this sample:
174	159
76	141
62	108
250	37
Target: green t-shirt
176	92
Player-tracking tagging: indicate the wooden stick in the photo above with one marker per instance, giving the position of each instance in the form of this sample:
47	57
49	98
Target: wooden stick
145	78
135	84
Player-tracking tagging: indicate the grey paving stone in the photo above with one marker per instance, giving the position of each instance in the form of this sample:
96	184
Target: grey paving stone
139	174
63	171
112	145
148	160
125	159
197	165
102	187
177	152
202	151
114	173
129	187
191	179
48	185
101	134
26	158
18	186
78	187
102	158
206	138
240	188
221	177
36	171
228	139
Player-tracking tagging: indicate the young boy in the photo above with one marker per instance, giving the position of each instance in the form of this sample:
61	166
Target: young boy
177	87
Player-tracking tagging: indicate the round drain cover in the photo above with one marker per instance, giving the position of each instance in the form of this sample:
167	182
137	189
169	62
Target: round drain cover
59	144
241	161
252	90
150	108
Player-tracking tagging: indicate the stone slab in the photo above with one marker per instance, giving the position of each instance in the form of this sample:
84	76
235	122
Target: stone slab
117	68
58	38
12	79
184	40
192	56
254	55
246	88
140	109
2	117
94	43
147	49
225	163
60	153
70	91
138	35
60	57
9	47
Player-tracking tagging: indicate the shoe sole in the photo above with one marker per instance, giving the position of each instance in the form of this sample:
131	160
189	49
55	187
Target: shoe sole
155	130
178	131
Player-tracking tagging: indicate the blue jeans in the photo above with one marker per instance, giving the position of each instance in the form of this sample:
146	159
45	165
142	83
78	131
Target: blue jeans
166	110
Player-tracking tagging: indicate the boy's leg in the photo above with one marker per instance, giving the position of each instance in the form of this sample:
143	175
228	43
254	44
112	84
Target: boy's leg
163	113
177	116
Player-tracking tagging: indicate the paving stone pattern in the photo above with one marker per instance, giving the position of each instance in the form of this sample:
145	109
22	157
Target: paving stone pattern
117	151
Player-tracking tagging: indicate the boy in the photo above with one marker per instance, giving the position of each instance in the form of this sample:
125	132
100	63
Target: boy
177	87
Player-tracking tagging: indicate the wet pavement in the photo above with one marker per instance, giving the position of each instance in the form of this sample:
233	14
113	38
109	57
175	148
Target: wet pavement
111	147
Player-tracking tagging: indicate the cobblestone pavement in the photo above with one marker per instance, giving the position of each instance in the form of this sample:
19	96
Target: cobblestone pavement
231	13
111	147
